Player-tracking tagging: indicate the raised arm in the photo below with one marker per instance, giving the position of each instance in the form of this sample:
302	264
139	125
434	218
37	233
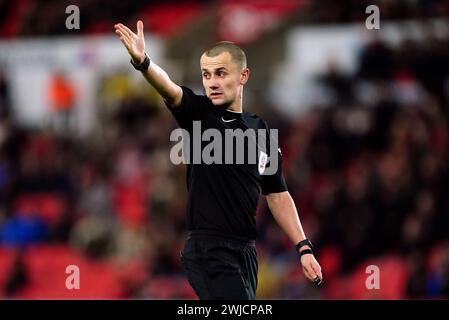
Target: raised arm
155	75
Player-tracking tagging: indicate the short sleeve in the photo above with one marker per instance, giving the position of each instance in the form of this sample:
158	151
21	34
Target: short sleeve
274	182
192	108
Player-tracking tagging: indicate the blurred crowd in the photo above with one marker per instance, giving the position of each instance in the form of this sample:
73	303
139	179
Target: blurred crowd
47	17
368	165
367	168
28	18
354	10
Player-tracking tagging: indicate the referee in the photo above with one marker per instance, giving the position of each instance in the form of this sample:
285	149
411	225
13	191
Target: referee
219	255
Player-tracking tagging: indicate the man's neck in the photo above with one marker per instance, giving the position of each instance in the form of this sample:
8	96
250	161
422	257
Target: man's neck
236	106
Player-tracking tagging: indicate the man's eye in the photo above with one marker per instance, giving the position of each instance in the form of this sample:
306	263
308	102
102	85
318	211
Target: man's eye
221	73
205	75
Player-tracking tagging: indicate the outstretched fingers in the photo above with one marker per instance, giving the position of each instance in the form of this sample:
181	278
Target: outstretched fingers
124	38
127	30
126	43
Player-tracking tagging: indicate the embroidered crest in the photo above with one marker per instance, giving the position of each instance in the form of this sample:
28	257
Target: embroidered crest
262	162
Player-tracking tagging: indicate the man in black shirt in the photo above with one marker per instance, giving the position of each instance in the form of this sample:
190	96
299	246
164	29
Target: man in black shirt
219	255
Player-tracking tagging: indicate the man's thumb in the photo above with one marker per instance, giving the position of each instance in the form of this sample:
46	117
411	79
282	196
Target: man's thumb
139	27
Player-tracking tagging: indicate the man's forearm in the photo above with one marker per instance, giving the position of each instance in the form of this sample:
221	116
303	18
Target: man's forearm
284	212
159	79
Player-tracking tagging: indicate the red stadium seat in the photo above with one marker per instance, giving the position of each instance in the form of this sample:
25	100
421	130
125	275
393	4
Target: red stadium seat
166	19
330	260
47	275
393	274
48	206
7	256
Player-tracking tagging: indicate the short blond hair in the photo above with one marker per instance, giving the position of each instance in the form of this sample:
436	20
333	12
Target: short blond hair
237	54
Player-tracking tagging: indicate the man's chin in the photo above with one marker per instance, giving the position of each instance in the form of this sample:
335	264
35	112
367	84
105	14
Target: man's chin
219	102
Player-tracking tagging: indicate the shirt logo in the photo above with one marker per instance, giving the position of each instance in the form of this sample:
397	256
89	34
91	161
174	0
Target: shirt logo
262	162
227	120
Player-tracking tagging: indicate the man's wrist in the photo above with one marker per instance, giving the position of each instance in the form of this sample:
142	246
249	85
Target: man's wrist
139	61
144	65
304	245
305	251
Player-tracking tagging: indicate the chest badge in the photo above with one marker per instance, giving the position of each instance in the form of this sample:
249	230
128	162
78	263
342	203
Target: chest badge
262	162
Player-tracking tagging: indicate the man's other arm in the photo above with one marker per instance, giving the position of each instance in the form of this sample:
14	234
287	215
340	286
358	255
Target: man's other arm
284	212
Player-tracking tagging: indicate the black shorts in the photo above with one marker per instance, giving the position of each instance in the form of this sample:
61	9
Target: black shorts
219	268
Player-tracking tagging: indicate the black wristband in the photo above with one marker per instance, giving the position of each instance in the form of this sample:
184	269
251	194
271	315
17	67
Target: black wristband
305	242
144	65
305	251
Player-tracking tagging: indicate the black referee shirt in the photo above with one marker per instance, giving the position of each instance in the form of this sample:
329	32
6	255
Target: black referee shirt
223	197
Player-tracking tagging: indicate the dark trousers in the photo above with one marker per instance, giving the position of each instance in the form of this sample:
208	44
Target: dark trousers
220	268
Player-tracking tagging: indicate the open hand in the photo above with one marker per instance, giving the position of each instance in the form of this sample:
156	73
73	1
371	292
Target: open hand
134	43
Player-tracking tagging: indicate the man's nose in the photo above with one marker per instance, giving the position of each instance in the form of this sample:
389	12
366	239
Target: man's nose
213	84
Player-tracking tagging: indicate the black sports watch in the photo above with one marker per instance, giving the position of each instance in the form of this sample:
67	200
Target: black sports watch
144	65
305	242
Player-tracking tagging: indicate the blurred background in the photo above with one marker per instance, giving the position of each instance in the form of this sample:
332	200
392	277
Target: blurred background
85	174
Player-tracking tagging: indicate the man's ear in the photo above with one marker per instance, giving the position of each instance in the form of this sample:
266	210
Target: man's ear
244	76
